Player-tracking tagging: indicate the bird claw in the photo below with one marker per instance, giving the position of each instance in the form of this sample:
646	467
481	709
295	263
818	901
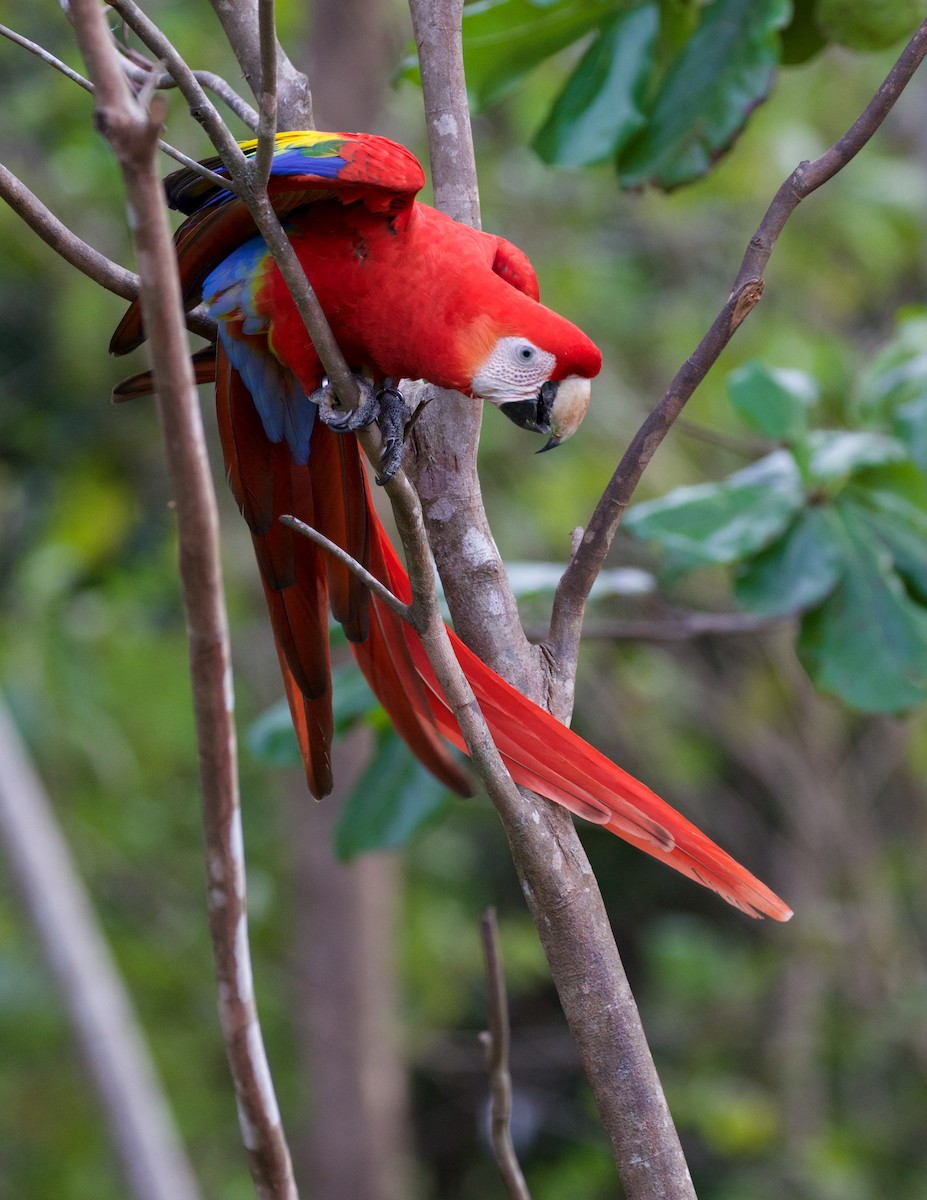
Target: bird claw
391	422
384	405
347	420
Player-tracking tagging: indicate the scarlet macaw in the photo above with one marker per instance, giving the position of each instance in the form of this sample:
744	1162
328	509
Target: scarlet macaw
409	293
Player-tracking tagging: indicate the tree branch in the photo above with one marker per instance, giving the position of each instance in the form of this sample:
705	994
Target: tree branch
497	1041
573	592
294	100
267	124
133	134
555	875
95	996
443	444
139	75
368	580
78	253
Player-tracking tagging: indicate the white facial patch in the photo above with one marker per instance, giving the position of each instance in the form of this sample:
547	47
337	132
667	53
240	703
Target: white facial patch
514	370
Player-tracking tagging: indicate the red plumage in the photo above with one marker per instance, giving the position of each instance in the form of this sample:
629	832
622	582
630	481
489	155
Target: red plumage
408	293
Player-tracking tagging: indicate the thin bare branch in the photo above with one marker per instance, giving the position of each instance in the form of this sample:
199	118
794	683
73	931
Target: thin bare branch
47	57
497	1041
137	74
294	100
570	601
63	241
92	990
370	581
267	126
137	70
201	106
79	254
674	627
133	134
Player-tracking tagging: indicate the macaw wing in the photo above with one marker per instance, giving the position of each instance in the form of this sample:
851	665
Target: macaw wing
307	167
363	167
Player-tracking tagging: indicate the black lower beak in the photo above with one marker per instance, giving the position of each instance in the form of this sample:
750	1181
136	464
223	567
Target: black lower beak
525	415
533	414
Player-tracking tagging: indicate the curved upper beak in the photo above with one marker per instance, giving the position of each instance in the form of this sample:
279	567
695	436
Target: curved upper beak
558	410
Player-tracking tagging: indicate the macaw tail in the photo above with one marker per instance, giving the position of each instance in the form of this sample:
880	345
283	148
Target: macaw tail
548	758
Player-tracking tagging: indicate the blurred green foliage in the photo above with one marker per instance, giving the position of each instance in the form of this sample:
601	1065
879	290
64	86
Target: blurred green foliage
794	1057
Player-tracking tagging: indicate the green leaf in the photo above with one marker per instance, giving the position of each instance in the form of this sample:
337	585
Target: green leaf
506	39
794	573
836	454
725	69
723	522
897	516
393	798
867	642
773	402
271	738
910	427
599	110
897	374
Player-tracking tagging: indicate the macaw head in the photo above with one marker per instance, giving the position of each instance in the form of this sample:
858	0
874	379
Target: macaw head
541	383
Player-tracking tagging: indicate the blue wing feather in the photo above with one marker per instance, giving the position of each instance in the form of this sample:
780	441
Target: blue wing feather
286	412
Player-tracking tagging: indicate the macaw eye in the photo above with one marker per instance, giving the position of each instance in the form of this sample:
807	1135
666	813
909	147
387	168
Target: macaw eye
525	353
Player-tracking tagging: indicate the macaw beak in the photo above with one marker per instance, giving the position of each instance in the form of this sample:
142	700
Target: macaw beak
558	410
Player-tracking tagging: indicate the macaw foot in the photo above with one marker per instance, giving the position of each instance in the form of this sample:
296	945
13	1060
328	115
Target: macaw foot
384	405
391	421
348	420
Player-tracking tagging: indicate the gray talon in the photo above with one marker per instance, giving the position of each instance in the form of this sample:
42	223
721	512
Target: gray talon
385	405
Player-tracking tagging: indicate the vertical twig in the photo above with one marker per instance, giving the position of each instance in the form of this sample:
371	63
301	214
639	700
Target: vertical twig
497	1057
100	1009
133	134
267	124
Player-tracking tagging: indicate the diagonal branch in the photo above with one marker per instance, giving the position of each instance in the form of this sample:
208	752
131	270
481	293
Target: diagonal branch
134	72
132	133
367	579
573	592
78	253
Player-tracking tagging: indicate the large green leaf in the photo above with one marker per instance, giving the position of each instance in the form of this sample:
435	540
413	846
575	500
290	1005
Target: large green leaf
893	504
837	454
506	39
723	522
393	798
796	572
910	427
867	642
774	402
600	108
725	69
